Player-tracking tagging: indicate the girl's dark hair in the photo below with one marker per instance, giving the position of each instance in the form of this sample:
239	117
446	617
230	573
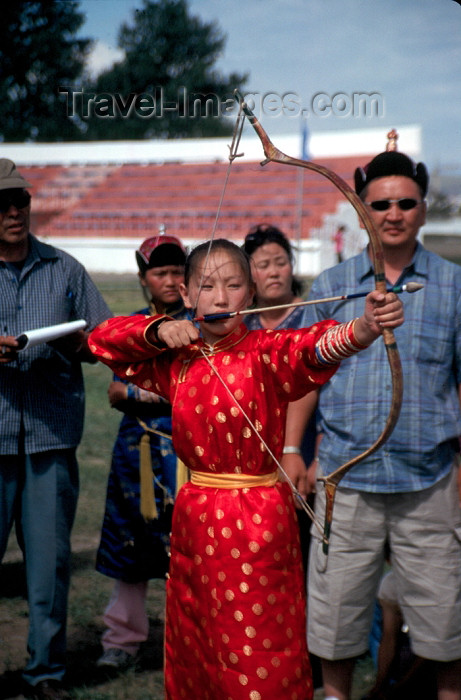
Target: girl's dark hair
265	233
200	252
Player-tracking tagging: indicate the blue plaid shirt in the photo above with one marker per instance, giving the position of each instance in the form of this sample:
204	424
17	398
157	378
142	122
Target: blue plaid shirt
44	390
354	404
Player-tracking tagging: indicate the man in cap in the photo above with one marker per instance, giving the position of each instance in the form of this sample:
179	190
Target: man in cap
406	492
42	406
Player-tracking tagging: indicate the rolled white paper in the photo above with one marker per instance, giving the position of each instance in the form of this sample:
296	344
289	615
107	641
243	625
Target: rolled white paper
43	335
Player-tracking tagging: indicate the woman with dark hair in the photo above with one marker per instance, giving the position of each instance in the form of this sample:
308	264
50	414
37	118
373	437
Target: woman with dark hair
271	258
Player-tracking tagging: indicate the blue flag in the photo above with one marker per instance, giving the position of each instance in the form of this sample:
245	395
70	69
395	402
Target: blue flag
305	141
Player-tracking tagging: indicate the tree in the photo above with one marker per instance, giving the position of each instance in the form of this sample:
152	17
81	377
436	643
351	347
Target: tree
39	53
167	85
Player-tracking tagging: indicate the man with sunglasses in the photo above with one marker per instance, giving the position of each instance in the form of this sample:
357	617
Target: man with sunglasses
406	492
41	408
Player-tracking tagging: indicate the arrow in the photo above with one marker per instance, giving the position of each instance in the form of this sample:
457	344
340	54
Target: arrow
411	287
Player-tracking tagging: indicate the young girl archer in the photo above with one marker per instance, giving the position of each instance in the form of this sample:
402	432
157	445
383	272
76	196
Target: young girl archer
235	596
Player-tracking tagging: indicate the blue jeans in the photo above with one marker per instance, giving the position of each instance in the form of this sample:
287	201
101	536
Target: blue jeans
40	492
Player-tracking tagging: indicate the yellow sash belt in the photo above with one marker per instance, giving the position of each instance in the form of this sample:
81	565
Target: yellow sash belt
232	481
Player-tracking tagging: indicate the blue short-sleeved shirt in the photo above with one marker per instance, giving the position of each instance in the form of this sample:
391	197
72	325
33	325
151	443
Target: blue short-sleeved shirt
354	404
44	388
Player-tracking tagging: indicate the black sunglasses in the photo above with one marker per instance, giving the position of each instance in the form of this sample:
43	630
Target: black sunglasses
14	198
404	204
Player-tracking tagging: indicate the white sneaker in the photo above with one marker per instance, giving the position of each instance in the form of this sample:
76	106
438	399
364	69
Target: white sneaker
115	658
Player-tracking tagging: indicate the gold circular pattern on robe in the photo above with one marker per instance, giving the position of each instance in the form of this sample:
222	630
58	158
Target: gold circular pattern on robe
250	632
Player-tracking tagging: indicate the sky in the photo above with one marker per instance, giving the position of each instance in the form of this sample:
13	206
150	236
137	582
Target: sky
342	64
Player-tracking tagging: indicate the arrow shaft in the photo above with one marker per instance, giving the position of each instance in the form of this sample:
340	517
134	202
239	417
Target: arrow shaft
342	297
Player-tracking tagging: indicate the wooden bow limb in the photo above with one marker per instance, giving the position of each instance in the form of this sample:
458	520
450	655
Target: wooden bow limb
274	155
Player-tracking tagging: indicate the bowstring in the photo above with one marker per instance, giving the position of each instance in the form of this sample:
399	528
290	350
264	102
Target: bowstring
306	507
233	154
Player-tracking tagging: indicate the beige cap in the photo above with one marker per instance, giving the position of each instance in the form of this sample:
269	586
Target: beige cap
10	177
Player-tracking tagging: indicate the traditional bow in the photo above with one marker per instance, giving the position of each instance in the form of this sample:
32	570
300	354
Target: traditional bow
275	155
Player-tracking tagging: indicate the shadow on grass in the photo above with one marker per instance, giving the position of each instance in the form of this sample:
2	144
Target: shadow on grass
84	649
83	679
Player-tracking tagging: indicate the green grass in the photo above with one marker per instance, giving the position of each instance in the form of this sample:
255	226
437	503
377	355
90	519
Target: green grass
90	591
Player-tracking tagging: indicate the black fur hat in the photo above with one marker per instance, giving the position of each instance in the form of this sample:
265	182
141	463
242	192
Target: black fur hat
391	163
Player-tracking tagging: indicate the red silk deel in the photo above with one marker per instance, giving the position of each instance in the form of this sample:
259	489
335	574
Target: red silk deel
236	626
